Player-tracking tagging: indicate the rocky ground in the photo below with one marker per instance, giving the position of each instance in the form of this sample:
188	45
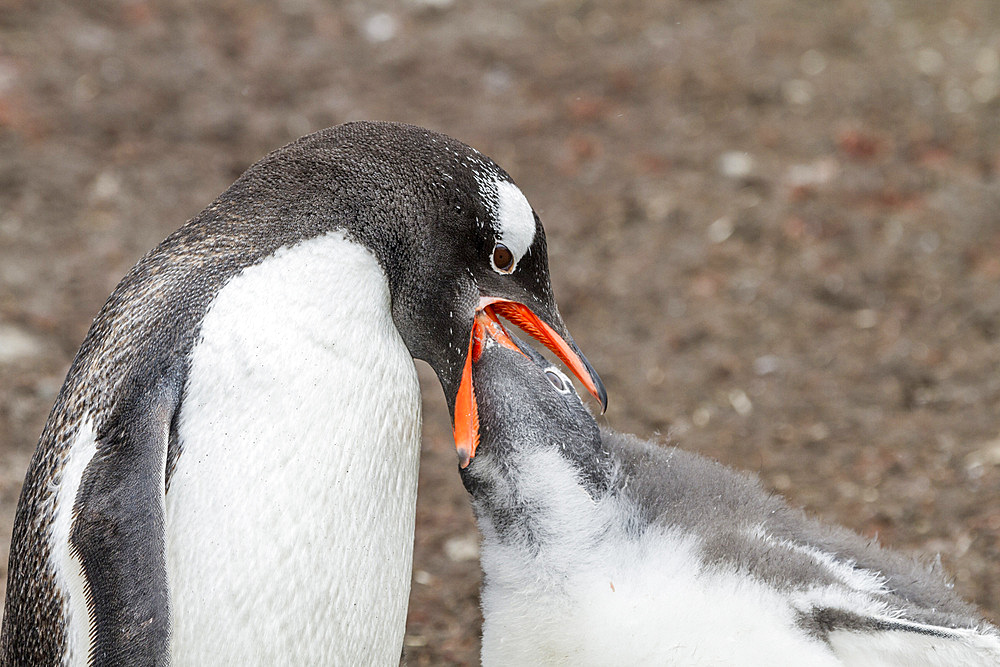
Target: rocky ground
773	224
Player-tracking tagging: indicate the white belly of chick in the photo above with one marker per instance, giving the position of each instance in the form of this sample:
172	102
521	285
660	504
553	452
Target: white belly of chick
622	607
589	593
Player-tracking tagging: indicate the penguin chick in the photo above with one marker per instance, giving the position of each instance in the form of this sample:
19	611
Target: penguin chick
599	548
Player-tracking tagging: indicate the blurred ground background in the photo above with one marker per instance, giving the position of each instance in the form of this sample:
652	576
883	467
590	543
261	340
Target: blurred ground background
773	224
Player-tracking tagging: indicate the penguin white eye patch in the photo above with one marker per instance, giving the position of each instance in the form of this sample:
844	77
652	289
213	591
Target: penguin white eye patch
515	228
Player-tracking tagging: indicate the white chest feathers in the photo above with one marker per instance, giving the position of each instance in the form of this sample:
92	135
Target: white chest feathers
290	513
574	586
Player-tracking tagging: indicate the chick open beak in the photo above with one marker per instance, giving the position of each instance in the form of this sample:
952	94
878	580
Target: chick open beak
486	324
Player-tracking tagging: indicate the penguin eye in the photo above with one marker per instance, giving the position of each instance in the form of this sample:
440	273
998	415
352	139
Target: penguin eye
503	258
556	381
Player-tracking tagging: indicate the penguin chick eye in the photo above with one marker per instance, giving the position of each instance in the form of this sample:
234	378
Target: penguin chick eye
556	381
503	258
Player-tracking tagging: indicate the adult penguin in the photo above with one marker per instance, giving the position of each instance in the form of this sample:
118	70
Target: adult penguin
229	473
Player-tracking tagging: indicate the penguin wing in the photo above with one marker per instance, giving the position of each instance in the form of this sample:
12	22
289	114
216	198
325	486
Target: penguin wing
118	531
899	642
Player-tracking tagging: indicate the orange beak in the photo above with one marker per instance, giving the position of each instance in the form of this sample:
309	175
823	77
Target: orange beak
487	324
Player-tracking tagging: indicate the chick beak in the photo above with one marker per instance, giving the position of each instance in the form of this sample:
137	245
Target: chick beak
486	325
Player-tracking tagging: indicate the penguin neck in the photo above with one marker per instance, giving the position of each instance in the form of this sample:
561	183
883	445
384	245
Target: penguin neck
295	488
539	505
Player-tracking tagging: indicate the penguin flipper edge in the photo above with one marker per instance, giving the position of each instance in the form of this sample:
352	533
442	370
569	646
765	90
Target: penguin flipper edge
118	531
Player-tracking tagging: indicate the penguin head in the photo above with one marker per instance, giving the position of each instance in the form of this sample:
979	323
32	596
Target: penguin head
490	258
531	418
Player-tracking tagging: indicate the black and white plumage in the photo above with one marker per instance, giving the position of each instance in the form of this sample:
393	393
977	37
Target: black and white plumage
599	548
228	475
